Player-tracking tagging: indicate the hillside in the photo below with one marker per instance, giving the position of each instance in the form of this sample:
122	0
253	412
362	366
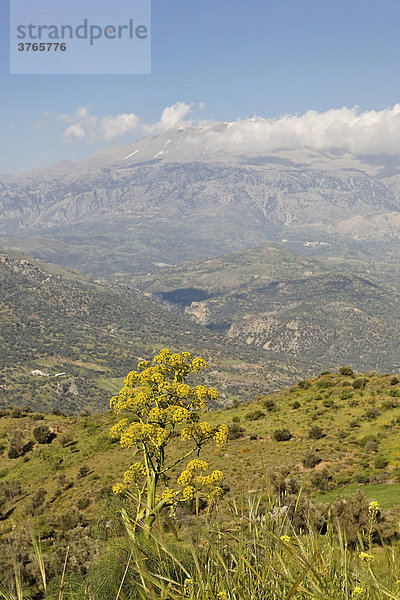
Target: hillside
343	430
271	299
58	321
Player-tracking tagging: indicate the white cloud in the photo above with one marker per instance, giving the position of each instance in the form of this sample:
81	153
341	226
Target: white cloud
342	129
345	129
110	127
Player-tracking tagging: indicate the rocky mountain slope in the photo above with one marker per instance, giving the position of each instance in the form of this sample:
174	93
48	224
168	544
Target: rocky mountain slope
273	299
181	185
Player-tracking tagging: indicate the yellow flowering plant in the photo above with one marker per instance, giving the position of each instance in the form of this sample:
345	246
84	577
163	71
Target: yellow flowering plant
157	405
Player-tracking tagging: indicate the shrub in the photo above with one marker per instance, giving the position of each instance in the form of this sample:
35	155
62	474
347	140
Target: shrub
269	404
296	404
236	419
360	383
380	462
43	434
282	435
255	415
83	471
347	371
394	380
311	460
65	438
346	394
316	432
235	431
371	414
328	402
304	384
325	383
321	479
58	412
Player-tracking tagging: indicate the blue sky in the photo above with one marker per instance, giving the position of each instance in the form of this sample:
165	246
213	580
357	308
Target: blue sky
264	57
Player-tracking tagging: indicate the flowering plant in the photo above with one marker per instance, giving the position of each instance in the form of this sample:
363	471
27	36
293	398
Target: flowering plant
157	404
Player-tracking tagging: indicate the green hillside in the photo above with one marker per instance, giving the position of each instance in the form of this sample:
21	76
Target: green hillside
57	321
273	300
330	436
343	432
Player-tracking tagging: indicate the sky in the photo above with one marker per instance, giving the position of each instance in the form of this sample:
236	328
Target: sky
220	60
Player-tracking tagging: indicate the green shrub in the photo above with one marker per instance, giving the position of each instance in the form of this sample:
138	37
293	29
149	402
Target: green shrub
316	432
360	383
43	434
328	402
235	431
347	371
304	384
282	435
269	404
311	460
255	415
296	404
380	462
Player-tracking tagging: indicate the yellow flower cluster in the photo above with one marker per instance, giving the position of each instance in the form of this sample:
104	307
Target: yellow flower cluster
192	480
365	557
181	414
144	432
188	493
373	508
285	538
119	488
134	474
169	495
221	435
358	592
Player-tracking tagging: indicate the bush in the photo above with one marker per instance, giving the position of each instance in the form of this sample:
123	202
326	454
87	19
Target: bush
304	384
282	435
328	402
325	383
236	419
311	460
394	380
255	415
43	434
83	471
347	371
371	414
360	383
296	405
269	404
235	431
321	479
316	432
381	462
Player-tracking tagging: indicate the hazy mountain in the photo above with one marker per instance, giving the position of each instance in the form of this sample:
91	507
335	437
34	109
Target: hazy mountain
179	195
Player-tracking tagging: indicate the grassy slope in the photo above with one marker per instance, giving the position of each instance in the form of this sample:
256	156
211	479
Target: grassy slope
60	321
245	461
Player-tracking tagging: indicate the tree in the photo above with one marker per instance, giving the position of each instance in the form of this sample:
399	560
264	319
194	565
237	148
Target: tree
159	406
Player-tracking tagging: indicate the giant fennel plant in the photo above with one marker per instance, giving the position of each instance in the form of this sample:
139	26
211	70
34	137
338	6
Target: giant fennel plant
158	407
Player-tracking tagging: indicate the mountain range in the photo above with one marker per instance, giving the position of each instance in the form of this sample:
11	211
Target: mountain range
180	195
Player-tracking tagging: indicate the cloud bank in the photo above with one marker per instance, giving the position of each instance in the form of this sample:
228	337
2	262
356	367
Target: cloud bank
342	129
91	127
